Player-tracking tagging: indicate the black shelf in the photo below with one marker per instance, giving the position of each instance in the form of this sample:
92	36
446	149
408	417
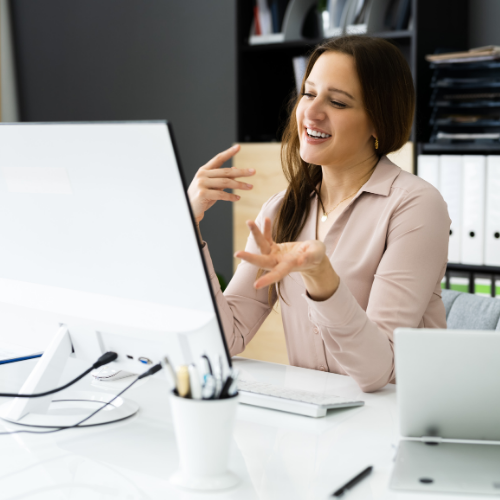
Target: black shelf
311	43
436	148
471	268
265	78
465	105
470	272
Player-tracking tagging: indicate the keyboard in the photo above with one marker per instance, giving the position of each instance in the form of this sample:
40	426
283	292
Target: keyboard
306	403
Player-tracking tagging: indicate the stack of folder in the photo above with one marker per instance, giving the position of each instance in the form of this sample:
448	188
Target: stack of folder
470	185
466	98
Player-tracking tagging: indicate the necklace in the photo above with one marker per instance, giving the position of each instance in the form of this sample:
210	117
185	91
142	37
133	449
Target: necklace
326	214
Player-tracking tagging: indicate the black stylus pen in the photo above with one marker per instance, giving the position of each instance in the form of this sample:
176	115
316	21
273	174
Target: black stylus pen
353	482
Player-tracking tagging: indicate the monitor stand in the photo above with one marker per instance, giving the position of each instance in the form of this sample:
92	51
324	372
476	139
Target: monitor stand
63	409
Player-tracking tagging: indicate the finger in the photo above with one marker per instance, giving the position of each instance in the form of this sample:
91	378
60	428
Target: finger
262	261
232	172
224	184
275	275
219	160
215	195
267	230
265	247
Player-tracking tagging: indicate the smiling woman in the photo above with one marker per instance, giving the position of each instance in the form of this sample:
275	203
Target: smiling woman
354	247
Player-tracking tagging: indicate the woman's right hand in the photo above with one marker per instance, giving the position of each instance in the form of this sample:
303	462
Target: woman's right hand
210	181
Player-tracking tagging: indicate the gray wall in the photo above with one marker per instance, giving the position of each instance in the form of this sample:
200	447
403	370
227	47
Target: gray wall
484	19
136	60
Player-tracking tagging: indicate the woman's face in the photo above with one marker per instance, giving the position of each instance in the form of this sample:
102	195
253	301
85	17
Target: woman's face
332	106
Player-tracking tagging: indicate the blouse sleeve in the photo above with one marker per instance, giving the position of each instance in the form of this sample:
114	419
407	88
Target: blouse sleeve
413	263
242	308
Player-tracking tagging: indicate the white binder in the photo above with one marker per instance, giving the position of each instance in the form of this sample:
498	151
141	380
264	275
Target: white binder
473	208
428	169
492	231
450	183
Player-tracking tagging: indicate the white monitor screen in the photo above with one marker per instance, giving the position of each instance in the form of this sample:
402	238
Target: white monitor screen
99	208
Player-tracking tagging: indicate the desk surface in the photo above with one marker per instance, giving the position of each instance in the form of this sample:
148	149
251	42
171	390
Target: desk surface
275	454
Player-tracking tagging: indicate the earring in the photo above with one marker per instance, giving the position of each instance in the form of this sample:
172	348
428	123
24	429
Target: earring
376	143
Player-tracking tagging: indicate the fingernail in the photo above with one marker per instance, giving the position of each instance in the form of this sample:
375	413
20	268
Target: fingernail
235	147
249	186
251	170
238	197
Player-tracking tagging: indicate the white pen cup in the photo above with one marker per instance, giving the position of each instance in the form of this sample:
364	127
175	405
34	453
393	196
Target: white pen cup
204	431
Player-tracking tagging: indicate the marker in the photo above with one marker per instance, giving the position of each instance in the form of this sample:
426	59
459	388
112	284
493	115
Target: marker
169	373
183	381
233	389
194	382
353	482
208	390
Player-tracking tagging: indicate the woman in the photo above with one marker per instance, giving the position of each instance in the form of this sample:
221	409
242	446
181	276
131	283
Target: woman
355	247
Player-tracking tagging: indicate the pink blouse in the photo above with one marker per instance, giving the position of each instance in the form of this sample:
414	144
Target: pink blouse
389	247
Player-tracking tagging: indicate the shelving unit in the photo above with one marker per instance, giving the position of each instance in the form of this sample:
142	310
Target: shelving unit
265	80
266	85
471	272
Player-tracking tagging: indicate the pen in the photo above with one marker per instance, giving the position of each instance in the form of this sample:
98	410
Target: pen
194	382
208	365
233	389
205	368
353	482
224	392
221	369
183	381
208	390
169	373
229	387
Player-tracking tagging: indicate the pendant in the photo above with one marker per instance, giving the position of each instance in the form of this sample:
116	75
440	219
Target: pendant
324	217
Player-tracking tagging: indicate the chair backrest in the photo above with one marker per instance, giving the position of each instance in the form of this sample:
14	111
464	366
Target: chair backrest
465	311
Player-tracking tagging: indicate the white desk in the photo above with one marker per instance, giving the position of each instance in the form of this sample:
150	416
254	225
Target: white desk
276	455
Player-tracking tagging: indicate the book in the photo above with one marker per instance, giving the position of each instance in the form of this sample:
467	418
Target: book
265	19
403	14
278	9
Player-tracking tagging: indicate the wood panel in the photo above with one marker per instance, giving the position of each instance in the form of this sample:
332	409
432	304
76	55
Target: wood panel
269	342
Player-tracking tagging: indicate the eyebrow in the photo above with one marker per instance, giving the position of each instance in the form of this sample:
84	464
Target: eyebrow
333	89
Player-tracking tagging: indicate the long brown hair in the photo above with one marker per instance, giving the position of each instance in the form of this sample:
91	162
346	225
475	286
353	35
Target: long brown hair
389	100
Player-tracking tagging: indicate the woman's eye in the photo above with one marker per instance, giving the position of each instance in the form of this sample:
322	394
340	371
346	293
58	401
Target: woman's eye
338	104
307	94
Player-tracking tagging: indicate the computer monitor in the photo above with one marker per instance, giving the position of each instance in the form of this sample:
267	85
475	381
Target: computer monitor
98	240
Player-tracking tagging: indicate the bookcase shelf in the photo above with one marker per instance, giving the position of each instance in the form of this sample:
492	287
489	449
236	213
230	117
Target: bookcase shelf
459	149
471	273
310	43
265	79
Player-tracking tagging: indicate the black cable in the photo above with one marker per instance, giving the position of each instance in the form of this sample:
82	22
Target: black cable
148	373
106	358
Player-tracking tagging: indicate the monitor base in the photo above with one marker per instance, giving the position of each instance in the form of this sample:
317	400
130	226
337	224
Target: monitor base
72	407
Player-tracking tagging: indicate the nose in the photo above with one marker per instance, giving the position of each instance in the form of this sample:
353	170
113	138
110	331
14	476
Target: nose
315	110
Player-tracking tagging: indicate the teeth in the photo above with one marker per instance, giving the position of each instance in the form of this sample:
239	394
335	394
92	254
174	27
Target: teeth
315	133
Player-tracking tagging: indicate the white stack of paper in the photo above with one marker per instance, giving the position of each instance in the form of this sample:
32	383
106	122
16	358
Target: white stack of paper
428	169
473	202
450	182
492	231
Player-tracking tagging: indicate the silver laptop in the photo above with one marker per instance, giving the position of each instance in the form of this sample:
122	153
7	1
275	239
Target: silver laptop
448	386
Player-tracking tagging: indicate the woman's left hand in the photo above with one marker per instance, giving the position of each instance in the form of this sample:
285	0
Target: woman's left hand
280	259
